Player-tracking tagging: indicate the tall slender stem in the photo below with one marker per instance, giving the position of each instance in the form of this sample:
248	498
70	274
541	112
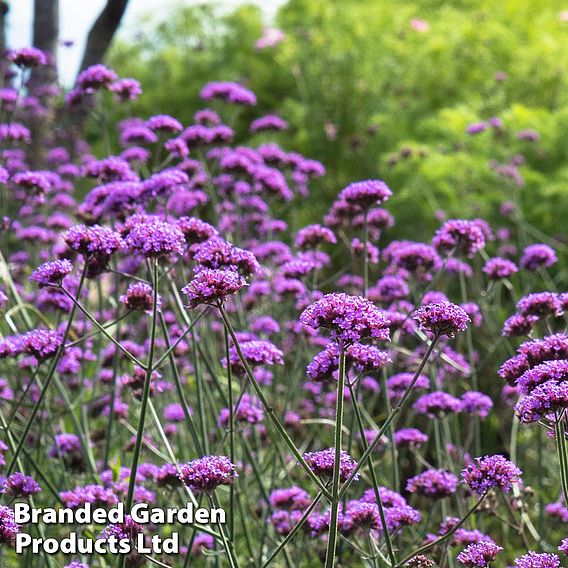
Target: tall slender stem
268	407
145	397
332	538
50	374
390	419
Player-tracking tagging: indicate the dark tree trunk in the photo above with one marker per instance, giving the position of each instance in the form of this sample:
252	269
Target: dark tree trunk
102	32
46	38
3	11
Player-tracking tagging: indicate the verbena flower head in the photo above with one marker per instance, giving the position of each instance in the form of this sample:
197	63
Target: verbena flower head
433	483
92	241
256	352
479	554
205	474
420	561
218	253
437	403
20	485
51	273
212	286
349	318
139	296
518	325
314	235
498	268
556	370
228	92
476	404
410	437
540	304
538	256
366	193
564	546
549	398
8	527
443	318
28	57
290	498
322	463
126	89
491	471
95	77
538	560
460	236
42	343
154	239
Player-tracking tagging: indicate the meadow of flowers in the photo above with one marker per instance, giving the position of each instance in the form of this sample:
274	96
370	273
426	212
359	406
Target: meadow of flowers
348	399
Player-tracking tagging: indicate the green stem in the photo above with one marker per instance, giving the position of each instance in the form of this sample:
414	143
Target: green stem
268	408
333	524
50	374
445	536
374	480
390	419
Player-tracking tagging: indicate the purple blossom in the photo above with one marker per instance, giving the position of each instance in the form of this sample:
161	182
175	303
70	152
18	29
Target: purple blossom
268	122
459	236
349	318
51	273
556	370
436	403
20	485
139	296
211	286
256	352
94	240
442	318
95	77
433	483
126	89
491	471
541	304
518	325
228	92
322	463
410	437
498	268
479	555
312	236
536	560
538	256
365	194
204	475
28	57
290	498
154	239
8	527
547	398
476	404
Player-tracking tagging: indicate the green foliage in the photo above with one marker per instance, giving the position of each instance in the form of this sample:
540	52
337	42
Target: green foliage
370	96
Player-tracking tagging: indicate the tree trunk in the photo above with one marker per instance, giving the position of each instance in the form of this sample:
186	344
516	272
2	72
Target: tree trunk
46	38
102	32
3	11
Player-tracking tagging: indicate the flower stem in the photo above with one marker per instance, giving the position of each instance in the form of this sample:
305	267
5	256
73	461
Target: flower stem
390	419
268	408
445	536
50	374
332	537
374	480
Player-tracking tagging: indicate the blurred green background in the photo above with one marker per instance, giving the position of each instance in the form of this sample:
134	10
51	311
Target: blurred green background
387	89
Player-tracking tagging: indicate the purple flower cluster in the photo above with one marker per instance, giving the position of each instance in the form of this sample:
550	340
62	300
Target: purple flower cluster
479	555
205	474
442	318
349	318
491	471
322	463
